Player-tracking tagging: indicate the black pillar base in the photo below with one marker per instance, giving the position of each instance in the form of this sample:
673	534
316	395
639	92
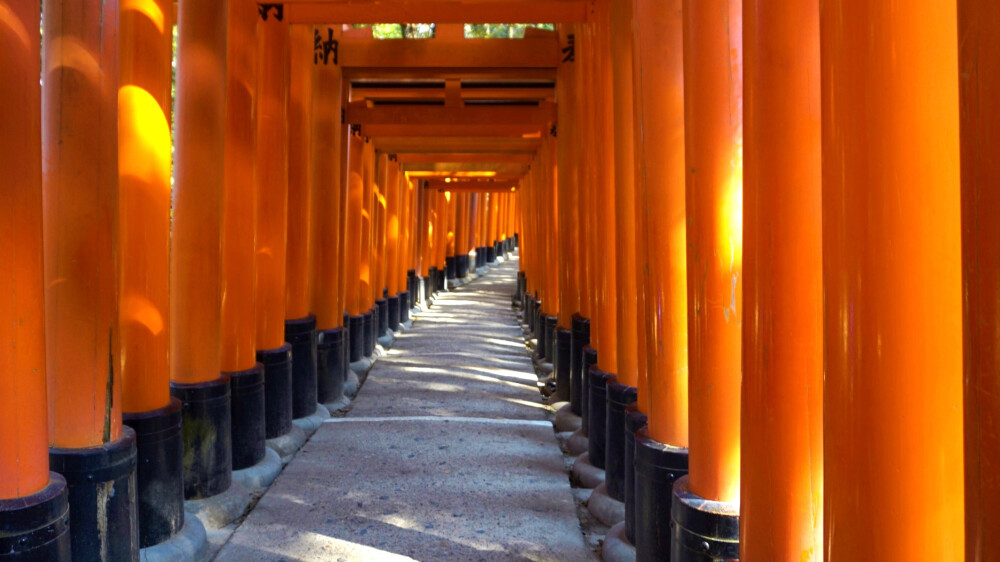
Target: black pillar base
550	338
330	374
393	312
491	253
432	285
529	313
560	364
36	527
356	338
206	429
100	483
369	325
462	266
277	390
382	309
301	335
411	287
248	414
703	529
589	360
634	421
619	396
579	337
159	476
404	311
451	267
541	346
657	467
597	432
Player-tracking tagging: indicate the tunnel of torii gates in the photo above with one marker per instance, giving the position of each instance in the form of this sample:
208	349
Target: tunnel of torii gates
754	239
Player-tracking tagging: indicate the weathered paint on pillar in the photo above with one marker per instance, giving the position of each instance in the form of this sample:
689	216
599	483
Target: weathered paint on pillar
326	240
892	281
239	226
713	125
272	176
367	225
144	154
781	498
300	122
24	452
80	202
979	90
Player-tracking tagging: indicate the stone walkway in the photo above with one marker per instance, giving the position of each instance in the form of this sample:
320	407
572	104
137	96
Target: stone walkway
446	454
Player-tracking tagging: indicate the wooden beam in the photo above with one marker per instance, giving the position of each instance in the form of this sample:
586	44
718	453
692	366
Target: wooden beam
437	11
458	168
471	185
464	158
413	94
468	144
358	113
451	130
471	54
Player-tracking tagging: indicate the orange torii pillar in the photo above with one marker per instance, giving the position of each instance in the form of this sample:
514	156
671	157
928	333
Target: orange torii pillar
365	277
569	339
88	444
979	63
705	507
300	323
482	218
472	240
451	212
144	153
461	233
491	228
550	201
621	390
892	416
352	241
393	243
239	226
781	491
583	110
660	447
33	501
379	286
441	249
273	48
597	45
325	237
195	254
425	241
568	383
408	252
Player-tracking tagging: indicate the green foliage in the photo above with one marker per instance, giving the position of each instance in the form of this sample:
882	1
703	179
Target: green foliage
501	30
472	30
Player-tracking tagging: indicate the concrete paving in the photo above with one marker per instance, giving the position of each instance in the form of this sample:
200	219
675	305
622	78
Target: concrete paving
446	454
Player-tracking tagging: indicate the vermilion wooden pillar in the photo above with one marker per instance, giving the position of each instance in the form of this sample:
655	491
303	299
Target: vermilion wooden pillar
352	240
25	481
627	321
367	227
979	87
239	227
393	234
195	246
326	242
781	495
713	100
300	323
661	448
273	49
892	281
144	160
82	260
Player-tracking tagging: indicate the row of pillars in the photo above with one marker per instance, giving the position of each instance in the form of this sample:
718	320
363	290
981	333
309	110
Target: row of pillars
174	300
768	245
